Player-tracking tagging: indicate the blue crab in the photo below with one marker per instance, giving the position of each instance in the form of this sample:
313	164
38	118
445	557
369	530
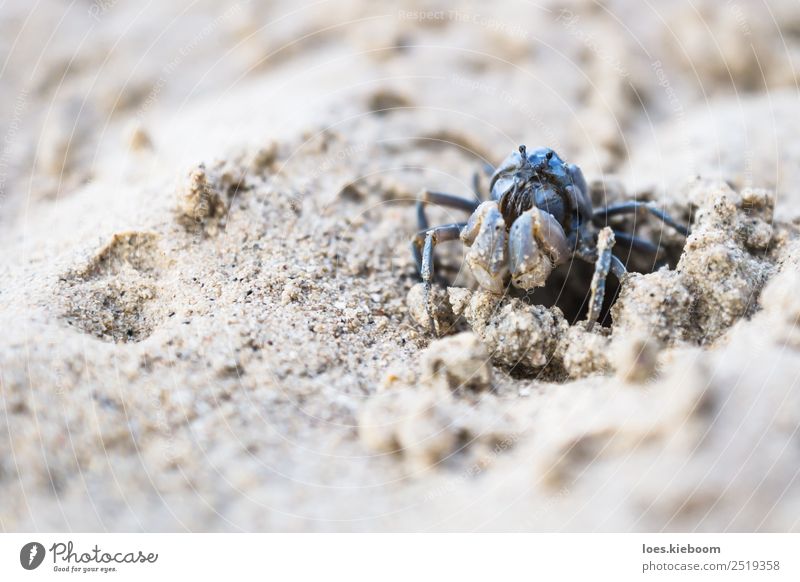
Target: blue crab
539	215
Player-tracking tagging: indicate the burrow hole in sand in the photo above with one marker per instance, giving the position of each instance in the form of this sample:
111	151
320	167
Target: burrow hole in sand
568	287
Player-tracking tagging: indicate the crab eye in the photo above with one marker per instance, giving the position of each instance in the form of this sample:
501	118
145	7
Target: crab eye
549	155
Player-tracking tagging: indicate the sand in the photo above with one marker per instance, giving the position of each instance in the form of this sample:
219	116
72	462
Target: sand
210	313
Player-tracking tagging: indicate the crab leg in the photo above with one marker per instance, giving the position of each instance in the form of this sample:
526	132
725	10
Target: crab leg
605	262
633	206
422	246
488	170
636	243
441	199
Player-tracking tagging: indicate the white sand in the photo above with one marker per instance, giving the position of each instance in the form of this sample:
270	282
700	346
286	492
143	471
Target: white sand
192	348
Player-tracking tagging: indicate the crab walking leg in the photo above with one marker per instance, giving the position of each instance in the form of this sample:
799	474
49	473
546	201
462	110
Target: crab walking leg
488	170
634	206
441	199
476	186
423	245
603	264
618	268
418	243
636	243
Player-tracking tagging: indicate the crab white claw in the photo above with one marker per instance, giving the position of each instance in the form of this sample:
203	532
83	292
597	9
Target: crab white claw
537	244
533	247
485	235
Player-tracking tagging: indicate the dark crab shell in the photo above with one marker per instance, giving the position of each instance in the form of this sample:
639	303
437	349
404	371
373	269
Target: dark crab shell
541	179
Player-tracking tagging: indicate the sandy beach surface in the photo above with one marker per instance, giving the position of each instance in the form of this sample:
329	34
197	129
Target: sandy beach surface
211	317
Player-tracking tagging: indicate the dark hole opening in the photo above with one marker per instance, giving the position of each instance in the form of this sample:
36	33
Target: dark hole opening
568	287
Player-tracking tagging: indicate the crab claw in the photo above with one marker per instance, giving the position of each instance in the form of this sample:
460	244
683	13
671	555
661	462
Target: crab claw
485	234
537	244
